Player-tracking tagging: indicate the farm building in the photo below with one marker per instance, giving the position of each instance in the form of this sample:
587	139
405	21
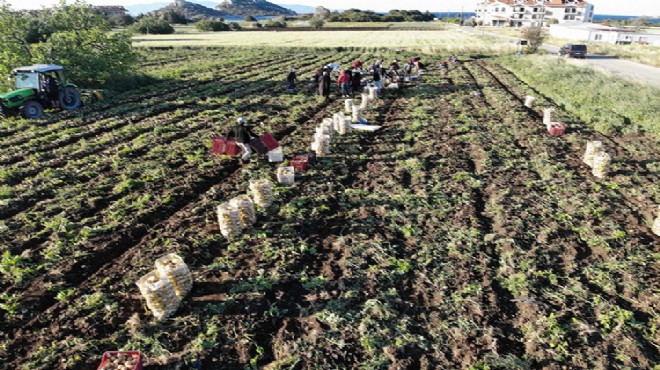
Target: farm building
593	32
524	13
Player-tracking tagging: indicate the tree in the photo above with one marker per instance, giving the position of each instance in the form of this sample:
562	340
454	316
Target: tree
118	20
172	16
74	36
152	25
534	36
316	22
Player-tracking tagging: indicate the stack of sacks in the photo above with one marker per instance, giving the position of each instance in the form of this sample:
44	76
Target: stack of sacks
262	192
593	148
176	271
348	105
245	207
601	164
230	220
159	293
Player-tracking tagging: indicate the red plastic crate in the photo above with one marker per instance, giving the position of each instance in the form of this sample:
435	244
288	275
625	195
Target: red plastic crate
226	146
232	149
218	145
269	141
557	129
138	363
299	163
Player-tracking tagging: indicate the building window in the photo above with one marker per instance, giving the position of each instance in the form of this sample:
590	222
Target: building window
598	37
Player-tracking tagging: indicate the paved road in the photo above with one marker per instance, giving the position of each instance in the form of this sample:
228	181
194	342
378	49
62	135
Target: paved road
616	67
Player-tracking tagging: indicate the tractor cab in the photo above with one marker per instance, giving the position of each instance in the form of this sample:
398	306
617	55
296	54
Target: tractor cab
39	86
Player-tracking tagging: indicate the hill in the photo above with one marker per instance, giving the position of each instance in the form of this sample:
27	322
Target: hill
252	7
191	10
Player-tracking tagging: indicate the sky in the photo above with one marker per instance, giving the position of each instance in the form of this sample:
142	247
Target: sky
611	7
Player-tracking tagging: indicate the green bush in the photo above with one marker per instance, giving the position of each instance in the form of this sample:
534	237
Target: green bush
209	25
153	26
278	22
316	22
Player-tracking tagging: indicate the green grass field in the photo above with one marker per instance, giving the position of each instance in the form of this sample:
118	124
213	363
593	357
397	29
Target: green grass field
645	54
424	41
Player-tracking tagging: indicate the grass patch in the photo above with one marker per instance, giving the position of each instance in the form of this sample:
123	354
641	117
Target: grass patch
608	104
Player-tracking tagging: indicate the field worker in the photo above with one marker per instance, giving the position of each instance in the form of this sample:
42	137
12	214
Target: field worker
408	68
49	86
242	133
377	77
324	84
356	82
395	65
444	68
292	79
357	64
344	82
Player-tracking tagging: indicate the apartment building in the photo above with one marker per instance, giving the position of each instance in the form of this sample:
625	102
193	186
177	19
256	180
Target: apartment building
525	13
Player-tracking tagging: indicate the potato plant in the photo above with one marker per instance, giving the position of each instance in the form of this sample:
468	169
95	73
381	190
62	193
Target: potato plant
459	235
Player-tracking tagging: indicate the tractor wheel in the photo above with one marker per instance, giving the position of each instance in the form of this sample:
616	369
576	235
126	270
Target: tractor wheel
32	109
69	98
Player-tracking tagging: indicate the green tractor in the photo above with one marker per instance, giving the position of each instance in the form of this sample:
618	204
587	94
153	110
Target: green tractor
37	87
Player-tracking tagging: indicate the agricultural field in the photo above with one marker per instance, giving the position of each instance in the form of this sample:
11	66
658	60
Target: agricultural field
431	41
459	236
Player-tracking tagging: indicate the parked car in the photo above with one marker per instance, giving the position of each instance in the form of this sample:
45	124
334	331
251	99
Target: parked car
573	50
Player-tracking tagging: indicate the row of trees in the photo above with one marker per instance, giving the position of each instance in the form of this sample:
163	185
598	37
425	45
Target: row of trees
74	36
357	15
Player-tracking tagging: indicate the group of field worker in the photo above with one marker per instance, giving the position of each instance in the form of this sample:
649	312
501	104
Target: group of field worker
352	80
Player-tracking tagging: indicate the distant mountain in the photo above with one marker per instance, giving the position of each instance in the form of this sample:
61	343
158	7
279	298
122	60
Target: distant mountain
150	7
300	9
252	7
191	11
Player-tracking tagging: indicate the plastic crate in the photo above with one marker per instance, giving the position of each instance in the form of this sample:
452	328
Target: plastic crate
276	155
300	163
218	145
286	175
106	355
269	141
232	149
226	146
556	129
258	146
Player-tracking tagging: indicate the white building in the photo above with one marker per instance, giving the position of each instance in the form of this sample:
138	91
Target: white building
593	32
524	13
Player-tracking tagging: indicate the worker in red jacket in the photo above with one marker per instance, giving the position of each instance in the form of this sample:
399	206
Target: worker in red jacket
357	64
344	82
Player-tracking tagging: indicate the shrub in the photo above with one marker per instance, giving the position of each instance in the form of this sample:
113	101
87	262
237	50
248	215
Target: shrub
152	25
278	22
316	22
209	25
535	36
